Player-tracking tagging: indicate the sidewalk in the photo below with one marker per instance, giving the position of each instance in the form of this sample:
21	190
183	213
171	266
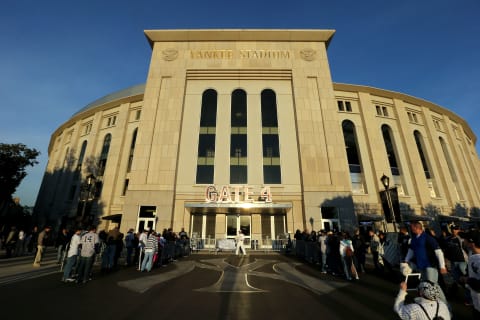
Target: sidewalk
16	268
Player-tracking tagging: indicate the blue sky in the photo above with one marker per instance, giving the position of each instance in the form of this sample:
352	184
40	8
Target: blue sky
58	56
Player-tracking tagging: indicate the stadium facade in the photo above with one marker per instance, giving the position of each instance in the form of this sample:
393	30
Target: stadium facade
244	129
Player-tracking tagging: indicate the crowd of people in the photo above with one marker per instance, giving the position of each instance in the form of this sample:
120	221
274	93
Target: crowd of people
19	242
79	248
449	264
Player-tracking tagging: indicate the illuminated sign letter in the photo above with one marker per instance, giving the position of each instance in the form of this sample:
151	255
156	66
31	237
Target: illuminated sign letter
266	194
237	193
225	195
247	194
211	194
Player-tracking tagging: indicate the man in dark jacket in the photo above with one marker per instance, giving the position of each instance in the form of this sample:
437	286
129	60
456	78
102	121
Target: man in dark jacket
61	243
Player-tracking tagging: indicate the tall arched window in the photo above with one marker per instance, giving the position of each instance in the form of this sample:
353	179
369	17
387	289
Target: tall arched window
206	139
392	158
238	137
425	163
102	162
66	159
81	156
353	157
132	149
270	140
451	168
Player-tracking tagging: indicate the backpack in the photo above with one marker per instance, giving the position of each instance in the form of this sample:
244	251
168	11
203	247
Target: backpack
436	317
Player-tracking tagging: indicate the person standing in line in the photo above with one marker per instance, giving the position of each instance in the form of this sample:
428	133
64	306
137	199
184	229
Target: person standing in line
473	269
20	246
322	239
87	254
346	254
32	240
41	244
403	242
129	244
151	247
428	255
375	250
240	246
359	248
61	244
11	242
142	241
72	254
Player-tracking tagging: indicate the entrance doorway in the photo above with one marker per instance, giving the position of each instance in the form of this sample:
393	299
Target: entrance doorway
238	222
143	223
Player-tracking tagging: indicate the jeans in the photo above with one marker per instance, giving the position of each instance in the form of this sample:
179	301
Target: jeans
147	261
84	268
69	267
60	251
129	256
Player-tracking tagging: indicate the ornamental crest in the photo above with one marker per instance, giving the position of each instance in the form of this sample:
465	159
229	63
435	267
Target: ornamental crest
308	54
170	54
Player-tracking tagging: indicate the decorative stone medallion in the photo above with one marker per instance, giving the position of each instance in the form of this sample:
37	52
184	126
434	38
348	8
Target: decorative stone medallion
170	54
308	54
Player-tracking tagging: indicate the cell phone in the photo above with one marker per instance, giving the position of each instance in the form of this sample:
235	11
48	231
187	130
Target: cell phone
412	280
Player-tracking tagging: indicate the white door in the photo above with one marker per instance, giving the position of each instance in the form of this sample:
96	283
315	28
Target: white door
235	223
330	225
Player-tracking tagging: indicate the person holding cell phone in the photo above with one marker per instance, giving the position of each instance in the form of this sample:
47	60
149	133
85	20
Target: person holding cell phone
426	305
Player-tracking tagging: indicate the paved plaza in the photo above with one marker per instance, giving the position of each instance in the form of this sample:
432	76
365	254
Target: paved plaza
200	286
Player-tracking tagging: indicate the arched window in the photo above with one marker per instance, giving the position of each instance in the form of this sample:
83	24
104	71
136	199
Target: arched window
206	139
81	156
102	163
132	149
270	140
392	159
66	159
353	157
419	142
451	168
389	146
238	137
425	163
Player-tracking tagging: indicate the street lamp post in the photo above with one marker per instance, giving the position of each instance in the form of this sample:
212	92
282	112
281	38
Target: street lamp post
86	194
386	183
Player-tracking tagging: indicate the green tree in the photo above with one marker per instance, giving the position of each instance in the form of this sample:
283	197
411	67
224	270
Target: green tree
14	158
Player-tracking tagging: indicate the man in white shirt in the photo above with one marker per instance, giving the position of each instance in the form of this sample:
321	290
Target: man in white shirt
20	246
240	245
72	254
142	241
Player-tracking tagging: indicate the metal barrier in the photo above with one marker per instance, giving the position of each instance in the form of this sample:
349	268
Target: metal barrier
252	244
307	250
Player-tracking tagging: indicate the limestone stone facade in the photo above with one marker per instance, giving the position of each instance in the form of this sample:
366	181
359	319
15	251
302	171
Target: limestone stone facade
142	144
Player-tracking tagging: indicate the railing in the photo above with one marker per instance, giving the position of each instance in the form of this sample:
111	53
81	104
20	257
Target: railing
251	244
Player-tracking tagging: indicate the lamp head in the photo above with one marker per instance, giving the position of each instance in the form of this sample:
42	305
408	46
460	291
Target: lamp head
385	181
91	179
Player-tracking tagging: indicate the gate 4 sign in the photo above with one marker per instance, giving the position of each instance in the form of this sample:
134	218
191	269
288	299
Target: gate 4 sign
230	194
